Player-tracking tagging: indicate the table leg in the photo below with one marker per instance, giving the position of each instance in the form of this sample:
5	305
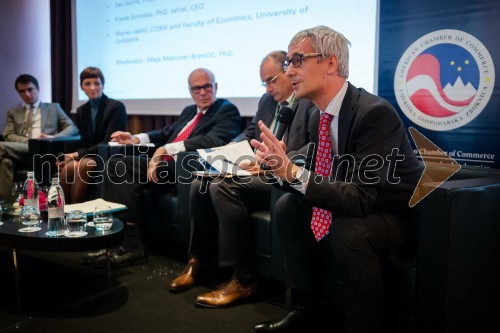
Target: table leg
18	278
108	263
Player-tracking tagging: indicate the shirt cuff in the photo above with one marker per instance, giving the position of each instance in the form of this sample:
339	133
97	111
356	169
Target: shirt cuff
143	138
175	148
301	180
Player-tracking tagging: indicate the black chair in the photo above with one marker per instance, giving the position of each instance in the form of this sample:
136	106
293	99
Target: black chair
43	154
19	173
458	254
166	212
169	211
107	151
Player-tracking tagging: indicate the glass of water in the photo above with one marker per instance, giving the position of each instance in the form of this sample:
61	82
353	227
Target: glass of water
103	218
76	222
30	218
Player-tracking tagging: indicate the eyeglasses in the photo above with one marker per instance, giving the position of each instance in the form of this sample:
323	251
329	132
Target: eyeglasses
271	80
206	87
297	60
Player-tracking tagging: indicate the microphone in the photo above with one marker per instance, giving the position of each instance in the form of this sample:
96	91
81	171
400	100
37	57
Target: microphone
283	120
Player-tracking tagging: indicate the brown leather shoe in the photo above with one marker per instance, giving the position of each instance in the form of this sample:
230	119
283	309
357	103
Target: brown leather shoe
226	294
188	277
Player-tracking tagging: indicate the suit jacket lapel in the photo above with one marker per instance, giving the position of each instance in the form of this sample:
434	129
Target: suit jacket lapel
267	117
100	115
43	115
294	107
346	116
87	121
183	121
206	117
20	115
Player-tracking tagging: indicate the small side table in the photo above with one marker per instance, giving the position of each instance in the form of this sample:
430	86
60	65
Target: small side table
12	239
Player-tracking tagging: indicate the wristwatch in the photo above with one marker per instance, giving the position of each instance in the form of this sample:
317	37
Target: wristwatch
298	176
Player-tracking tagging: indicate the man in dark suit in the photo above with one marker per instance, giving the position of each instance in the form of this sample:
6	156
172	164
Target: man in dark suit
33	120
208	123
230	201
354	203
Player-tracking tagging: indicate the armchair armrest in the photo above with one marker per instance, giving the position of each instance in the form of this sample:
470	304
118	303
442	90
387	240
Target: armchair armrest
458	251
44	153
106	151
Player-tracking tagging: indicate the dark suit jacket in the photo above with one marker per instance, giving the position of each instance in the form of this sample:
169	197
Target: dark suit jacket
368	126
302	130
111	117
218	125
54	122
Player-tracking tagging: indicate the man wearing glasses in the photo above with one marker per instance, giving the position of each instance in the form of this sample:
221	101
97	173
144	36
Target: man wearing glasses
351	208
210	122
227	205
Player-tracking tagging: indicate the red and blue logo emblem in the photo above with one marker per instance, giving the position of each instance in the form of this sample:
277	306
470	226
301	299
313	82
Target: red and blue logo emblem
444	80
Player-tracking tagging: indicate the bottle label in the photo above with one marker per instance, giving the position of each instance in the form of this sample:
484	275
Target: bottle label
31	202
56	212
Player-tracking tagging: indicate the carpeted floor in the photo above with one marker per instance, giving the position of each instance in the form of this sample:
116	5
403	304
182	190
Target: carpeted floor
60	294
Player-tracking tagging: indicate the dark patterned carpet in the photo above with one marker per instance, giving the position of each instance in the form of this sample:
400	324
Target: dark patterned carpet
60	294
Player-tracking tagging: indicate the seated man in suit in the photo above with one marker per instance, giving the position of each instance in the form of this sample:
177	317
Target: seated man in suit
227	205
210	122
33	120
352	207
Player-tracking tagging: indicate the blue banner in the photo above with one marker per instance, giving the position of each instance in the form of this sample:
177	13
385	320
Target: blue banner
437	67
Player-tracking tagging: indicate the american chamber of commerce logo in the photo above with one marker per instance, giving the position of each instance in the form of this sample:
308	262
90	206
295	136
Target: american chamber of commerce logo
444	80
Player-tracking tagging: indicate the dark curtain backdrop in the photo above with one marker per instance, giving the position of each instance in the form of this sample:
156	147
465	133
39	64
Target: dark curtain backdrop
60	30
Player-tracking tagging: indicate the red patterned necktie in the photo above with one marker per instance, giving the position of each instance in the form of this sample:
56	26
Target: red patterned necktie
322	218
184	134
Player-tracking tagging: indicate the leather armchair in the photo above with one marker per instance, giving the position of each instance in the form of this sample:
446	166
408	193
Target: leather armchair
43	154
169	212
166	213
458	254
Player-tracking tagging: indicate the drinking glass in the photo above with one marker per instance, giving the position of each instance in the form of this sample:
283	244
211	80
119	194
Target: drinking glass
1	213
30	218
76	222
103	218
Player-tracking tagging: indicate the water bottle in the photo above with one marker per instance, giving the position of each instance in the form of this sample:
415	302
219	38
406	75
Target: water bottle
30	190
55	202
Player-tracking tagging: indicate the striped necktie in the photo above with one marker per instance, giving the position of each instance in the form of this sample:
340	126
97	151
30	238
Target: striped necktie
188	130
185	134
